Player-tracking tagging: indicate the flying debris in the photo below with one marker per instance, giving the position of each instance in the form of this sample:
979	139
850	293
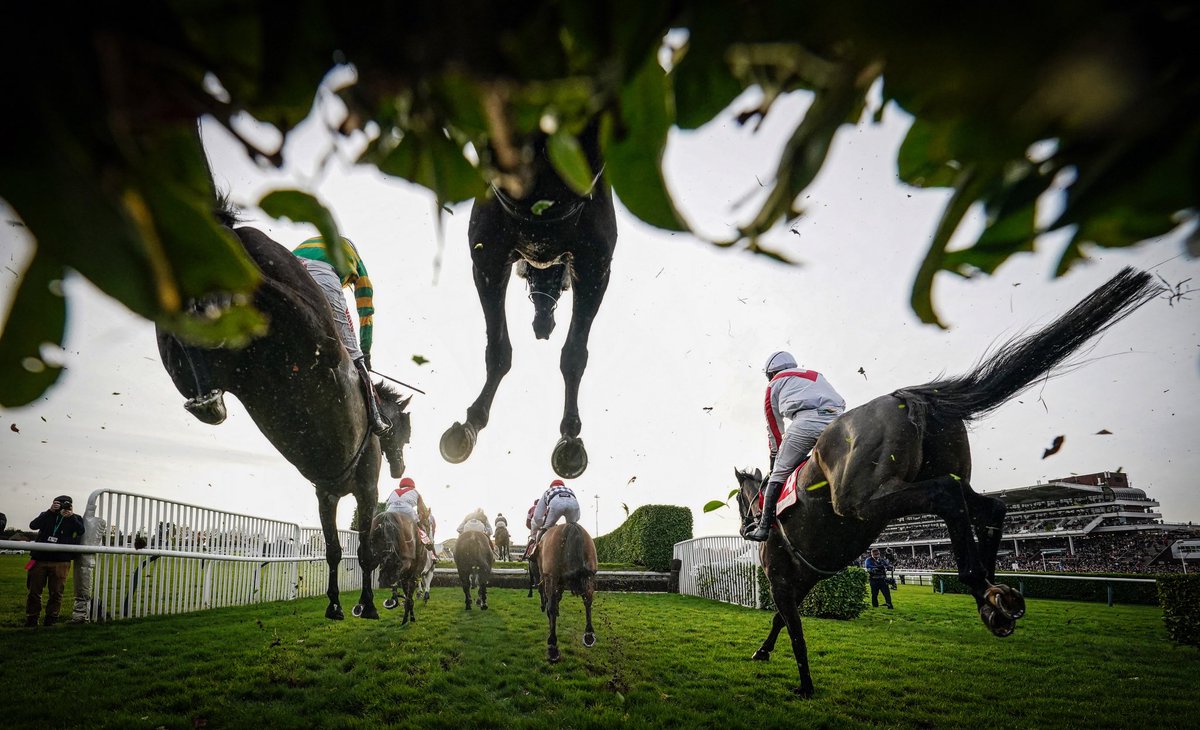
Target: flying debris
1104	432
1054	447
862	372
419	359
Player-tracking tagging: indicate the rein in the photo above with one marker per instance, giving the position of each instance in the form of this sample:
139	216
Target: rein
792	551
362	448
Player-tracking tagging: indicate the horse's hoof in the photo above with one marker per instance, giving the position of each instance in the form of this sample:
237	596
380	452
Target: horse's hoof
209	408
1013	601
552	654
994	597
804	693
761	656
357	611
589	639
457	442
483	607
569	458
334	612
390	603
998	623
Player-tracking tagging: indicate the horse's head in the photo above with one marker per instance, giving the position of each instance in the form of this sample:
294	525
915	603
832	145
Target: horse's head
749	486
546	284
393	406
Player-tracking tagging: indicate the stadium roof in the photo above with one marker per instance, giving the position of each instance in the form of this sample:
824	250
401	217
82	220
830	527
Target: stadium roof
1057	490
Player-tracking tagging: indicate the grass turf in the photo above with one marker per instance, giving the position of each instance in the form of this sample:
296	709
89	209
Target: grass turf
660	661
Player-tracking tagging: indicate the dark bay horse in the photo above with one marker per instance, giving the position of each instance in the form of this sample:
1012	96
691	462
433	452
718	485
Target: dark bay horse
503	543
566	559
302	391
473	558
557	239
401	557
907	453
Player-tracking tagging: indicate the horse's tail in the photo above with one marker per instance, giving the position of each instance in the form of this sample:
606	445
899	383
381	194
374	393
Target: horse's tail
576	560
1021	361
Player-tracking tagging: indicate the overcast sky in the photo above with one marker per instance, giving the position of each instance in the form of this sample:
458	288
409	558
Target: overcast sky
671	401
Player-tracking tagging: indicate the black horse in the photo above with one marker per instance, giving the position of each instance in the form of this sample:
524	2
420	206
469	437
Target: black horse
907	453
302	391
473	557
558	239
403	561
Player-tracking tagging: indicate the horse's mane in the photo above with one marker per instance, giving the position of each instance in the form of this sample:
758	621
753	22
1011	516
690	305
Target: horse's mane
388	392
226	211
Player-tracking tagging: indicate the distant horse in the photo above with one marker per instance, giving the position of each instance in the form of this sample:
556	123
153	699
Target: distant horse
566	560
558	239
906	453
301	389
473	558
503	543
402	559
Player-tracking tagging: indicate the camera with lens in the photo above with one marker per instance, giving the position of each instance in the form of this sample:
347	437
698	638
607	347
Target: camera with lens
65	504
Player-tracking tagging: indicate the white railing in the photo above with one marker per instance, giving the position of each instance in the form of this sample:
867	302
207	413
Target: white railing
720	568
144	556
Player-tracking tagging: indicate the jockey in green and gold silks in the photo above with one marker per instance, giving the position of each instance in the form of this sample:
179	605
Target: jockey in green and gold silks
316	259
314	250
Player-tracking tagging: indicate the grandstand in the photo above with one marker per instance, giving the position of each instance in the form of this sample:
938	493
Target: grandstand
1095	522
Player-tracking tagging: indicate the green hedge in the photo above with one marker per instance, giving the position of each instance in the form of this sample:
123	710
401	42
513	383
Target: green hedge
841	596
1179	596
647	538
1095	589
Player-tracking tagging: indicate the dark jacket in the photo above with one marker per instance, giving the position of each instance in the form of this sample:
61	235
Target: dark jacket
877	569
63	530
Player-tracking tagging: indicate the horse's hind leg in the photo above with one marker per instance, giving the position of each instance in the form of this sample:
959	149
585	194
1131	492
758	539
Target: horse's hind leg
483	581
552	653
327	507
764	652
589	634
465	579
987	515
946	498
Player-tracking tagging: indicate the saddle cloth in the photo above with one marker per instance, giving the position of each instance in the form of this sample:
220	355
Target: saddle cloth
788	495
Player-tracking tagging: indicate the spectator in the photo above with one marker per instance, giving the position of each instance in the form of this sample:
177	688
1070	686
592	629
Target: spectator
877	571
57	525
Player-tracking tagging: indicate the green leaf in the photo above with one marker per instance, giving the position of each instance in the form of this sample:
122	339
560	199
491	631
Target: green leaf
541	206
38	316
634	147
235	327
570	162
433	160
733	492
816	486
925	159
300	207
714	505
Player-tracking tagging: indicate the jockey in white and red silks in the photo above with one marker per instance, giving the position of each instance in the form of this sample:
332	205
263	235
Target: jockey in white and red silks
557	501
805	399
406	500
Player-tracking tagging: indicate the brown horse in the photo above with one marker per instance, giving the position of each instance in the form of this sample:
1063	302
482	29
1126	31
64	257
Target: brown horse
403	561
503	543
473	558
907	453
566	558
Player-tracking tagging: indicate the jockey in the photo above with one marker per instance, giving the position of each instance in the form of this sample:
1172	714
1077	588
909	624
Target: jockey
406	500
316	259
557	501
501	521
809	402
476	521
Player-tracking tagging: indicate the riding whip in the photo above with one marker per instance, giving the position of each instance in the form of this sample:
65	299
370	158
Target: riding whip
398	382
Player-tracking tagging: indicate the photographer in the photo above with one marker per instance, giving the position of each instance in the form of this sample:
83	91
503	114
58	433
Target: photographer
57	525
877	572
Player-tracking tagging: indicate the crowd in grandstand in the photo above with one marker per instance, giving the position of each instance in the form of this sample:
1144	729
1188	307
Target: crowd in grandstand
1105	553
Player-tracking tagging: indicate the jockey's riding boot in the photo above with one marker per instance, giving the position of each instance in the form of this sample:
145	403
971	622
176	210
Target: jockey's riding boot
378	423
770	497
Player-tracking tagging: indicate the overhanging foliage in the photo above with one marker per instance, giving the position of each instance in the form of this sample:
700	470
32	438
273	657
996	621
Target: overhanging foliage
101	161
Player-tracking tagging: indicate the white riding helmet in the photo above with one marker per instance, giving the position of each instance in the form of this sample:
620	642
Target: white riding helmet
781	360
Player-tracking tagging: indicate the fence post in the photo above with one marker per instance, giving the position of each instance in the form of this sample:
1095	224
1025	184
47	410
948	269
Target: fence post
673	580
1110	594
941	586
